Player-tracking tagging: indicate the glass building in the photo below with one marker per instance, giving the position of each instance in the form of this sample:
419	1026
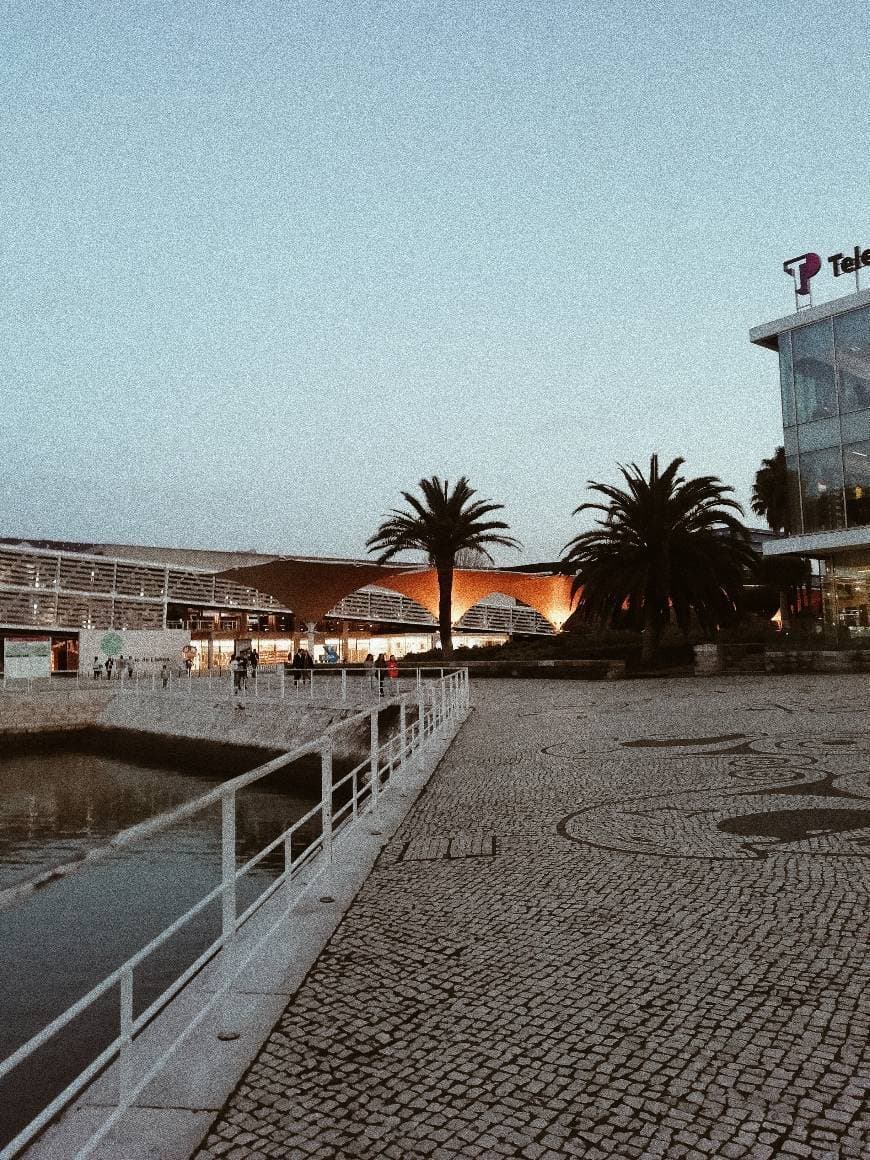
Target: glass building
824	372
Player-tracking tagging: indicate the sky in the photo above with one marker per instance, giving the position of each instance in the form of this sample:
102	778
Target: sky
265	265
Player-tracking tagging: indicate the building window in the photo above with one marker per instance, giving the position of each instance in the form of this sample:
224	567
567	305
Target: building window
852	346
795	523
856	463
786	380
813	359
822	490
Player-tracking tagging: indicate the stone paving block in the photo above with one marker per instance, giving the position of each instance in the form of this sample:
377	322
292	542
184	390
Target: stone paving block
629	920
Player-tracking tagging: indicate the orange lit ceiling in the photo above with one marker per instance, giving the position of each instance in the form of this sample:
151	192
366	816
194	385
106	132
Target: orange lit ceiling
312	587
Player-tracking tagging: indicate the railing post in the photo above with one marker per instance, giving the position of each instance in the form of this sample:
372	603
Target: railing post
125	1056
444	723
311	685
404	746
288	868
283	678
421	728
374	760
344	686
228	1030
326	815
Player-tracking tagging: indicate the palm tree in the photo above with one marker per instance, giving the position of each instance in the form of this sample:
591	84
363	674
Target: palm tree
664	543
770	492
770	500
441	524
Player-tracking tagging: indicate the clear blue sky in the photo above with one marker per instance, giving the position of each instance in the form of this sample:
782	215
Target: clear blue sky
266	264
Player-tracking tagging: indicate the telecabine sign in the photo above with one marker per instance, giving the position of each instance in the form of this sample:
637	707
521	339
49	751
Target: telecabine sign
806	266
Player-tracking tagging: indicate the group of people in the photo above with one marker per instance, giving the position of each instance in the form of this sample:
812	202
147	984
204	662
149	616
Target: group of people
120	668
243	665
380	669
302	660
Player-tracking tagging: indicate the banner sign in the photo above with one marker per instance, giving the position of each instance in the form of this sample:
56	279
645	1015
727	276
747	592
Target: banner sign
26	657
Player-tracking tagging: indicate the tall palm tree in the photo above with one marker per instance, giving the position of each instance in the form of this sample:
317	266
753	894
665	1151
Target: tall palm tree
441	524
665	542
770	492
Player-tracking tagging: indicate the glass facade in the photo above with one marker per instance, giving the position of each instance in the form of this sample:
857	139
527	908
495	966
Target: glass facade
825	383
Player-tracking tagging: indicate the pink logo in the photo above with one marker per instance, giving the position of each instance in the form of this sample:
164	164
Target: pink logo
803	268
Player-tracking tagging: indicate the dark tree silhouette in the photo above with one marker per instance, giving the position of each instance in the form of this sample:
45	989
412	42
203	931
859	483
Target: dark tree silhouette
663	543
770	492
441	524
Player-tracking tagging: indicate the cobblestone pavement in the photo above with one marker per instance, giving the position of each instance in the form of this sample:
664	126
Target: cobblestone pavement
625	919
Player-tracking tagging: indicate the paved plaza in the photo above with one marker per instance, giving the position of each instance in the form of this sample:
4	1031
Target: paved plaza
625	919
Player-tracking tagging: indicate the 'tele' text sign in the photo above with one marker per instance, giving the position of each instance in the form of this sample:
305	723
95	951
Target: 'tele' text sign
806	266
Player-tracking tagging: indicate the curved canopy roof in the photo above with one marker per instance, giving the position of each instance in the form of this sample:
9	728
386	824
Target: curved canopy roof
311	587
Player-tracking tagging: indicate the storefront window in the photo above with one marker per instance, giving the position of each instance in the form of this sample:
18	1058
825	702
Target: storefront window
856	463
786	380
852	345
822	490
813	359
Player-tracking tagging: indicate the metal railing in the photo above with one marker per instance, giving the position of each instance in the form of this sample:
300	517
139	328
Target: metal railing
321	686
441	706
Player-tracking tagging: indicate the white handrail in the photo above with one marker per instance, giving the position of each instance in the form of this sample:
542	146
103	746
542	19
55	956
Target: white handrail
440	705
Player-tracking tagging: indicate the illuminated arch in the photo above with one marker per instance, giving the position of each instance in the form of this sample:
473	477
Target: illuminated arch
312	587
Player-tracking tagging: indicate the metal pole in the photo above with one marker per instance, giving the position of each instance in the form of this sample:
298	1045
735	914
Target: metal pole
326	815
283	690
375	774
344	686
125	1057
228	885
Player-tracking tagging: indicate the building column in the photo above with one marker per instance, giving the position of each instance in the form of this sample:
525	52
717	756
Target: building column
311	625
210	655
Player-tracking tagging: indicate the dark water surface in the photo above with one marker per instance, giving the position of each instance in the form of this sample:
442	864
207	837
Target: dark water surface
65	795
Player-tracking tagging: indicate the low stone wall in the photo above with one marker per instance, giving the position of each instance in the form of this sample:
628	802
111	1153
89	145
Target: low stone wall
581	670
816	661
268	726
56	712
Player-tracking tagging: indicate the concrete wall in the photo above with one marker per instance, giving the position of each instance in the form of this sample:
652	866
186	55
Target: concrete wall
263	726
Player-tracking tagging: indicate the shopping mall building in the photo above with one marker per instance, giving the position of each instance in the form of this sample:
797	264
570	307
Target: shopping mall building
152	604
824	369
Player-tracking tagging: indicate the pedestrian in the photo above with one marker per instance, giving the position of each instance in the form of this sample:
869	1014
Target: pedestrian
122	667
98	668
110	663
236	670
298	666
130	667
381	671
164	674
369	666
393	673
255	660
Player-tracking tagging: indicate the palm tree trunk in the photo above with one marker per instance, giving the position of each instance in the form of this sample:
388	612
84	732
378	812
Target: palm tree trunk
649	635
445	606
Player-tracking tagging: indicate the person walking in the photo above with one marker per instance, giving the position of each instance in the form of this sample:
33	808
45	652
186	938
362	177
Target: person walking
393	673
255	660
122	667
369	666
164	674
98	668
298	666
110	663
236	670
381	671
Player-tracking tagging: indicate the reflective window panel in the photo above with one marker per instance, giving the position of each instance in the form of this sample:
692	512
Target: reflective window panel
822	490
813	359
795	524
856	464
856	426
824	433
852	345
786	380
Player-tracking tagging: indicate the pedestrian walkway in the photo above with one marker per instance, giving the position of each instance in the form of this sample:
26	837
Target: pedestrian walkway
625	919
